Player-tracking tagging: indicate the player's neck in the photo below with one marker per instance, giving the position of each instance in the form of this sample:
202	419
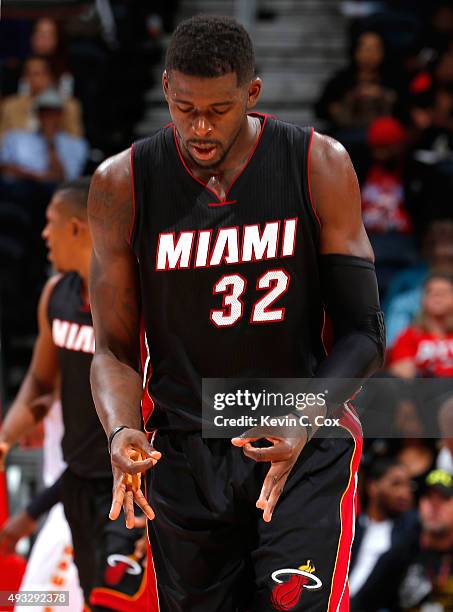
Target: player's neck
83	270
221	177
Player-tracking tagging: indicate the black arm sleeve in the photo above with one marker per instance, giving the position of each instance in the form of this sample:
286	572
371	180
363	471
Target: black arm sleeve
351	299
45	500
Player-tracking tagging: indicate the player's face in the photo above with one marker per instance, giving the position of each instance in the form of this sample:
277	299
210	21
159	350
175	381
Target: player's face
208	113
58	235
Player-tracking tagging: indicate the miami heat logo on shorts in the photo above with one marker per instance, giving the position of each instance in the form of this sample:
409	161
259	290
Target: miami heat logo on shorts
290	584
117	566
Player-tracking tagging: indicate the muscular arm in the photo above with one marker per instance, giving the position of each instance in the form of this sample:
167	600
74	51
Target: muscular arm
115	379
40	379
116	382
336	197
348	279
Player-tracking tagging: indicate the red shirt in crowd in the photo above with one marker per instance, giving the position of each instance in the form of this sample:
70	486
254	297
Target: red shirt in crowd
433	356
383	206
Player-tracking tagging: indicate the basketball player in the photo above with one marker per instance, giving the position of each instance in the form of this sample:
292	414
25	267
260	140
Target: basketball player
109	574
230	232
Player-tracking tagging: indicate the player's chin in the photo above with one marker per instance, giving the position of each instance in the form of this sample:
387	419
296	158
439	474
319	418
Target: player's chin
207	162
58	266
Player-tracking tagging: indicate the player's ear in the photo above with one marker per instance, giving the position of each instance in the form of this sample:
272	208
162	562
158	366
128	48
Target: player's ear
77	226
254	92
165	83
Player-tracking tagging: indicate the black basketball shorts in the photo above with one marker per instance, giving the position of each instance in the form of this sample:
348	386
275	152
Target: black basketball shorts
109	574
211	549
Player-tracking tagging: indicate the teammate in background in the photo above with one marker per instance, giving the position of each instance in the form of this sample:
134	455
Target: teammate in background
50	565
109	574
229	232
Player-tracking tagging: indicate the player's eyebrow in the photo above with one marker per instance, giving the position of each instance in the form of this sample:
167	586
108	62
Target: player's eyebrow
182	101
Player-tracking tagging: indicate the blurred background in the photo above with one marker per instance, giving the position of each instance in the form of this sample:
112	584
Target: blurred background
82	80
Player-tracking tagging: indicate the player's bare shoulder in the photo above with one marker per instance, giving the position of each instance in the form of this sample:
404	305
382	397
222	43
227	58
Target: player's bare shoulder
110	202
48	288
333	178
336	197
328	158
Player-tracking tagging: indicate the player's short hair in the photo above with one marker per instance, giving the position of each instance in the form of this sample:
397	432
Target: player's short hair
211	46
77	191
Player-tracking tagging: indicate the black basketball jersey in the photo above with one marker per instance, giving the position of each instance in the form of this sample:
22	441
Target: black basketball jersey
229	288
84	441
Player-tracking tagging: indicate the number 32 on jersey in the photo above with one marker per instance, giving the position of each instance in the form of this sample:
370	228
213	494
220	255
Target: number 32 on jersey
233	286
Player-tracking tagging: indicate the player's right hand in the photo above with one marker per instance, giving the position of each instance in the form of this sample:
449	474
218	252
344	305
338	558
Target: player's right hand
15	528
131	454
4	449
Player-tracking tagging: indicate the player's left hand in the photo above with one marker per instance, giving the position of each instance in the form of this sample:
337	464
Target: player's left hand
282	455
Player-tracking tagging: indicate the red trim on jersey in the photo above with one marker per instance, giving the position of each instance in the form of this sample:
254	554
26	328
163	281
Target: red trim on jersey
147	401
134	208
222	203
115	600
339	593
205	185
308	177
327	335
153	601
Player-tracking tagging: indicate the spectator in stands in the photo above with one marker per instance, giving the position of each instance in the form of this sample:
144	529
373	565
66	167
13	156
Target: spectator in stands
384	522
426	347
47	156
356	95
404	296
384	196
445	417
427	583
431	105
438	35
47	41
19	113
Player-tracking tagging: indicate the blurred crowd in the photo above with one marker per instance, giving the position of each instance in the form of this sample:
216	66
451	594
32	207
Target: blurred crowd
391	106
63	86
